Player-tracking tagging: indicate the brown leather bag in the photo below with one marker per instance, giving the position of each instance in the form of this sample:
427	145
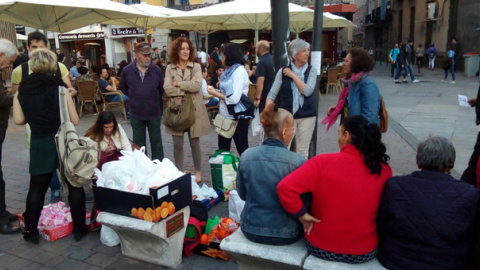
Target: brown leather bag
383	114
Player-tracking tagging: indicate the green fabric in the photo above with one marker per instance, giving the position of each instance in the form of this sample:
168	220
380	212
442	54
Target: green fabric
216	169
43	155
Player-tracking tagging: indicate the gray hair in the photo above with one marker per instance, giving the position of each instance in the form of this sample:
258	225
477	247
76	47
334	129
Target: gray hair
295	46
436	154
7	47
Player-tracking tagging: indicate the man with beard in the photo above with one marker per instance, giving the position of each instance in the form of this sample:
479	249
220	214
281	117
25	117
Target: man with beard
142	82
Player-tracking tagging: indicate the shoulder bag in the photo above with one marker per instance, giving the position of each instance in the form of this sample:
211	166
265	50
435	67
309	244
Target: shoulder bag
383	114
225	127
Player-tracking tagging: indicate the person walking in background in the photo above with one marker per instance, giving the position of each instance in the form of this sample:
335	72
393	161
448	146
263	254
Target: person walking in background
184	76
142	82
420	52
449	65
401	64
360	94
8	54
265	73
163	54
155	55
456	49
427	219
393	58
409	66
37	103
234	83
432	54
294	84
347	187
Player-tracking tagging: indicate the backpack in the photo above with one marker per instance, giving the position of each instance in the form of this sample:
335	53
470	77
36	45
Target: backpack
383	114
78	156
197	220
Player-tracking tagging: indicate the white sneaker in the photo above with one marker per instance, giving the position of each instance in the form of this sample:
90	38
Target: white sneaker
452	82
415	81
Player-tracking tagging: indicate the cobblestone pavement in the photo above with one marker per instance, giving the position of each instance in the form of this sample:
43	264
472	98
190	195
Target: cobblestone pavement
416	110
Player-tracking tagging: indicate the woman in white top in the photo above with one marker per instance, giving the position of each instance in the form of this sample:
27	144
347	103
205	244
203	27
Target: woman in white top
234	83
110	136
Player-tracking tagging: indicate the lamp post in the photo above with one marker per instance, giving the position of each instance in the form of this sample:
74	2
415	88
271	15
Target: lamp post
280	32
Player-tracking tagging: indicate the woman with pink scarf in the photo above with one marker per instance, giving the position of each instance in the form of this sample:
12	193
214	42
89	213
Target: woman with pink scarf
360	94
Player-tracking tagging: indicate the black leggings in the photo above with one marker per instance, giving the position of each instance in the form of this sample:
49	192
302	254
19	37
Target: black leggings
36	198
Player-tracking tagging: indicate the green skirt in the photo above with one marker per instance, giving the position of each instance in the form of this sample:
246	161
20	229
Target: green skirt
43	155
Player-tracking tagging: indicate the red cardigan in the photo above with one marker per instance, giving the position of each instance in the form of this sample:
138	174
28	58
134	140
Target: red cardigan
345	199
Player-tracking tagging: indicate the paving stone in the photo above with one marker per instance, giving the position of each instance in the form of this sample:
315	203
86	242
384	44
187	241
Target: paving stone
73	264
7	258
20	263
32	266
49	259
99	259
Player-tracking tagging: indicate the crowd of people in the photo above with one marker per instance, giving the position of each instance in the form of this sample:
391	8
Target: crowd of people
347	205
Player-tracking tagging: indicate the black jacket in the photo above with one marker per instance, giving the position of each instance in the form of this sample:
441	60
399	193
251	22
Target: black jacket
426	220
6	102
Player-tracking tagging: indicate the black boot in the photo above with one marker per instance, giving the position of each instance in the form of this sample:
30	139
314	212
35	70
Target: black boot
31	236
78	234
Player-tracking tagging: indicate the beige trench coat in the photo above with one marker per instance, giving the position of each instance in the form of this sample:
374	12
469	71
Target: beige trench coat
174	73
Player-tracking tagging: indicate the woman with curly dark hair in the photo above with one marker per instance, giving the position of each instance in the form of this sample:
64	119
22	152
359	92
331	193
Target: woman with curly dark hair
184	76
360	94
346	188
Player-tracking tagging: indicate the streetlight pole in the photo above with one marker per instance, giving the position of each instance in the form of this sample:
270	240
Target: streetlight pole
280	32
316	61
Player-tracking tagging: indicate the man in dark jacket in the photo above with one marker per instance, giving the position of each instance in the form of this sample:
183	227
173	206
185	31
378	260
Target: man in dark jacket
142	82
265	73
426	220
8	54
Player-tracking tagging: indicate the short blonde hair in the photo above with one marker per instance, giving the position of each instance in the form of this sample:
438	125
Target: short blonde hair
43	61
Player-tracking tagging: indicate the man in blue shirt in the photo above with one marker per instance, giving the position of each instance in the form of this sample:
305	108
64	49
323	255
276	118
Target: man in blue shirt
74	70
393	57
105	86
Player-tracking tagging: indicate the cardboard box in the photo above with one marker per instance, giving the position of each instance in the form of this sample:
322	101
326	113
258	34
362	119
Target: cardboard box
54	233
179	192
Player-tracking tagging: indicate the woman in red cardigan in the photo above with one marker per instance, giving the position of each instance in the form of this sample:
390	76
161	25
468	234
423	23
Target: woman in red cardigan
346	187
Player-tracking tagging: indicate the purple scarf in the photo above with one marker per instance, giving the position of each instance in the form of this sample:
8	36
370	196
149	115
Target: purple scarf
347	83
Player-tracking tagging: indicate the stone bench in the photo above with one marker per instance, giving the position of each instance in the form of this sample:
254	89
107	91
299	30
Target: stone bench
250	255
147	241
314	263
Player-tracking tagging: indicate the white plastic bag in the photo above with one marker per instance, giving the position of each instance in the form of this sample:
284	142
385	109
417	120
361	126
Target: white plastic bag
235	206
108	237
256	125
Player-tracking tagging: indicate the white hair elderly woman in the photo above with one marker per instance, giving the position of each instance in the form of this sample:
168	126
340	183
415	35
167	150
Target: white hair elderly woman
294	86
426	219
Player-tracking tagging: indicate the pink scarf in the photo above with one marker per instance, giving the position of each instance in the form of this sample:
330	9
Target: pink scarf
347	83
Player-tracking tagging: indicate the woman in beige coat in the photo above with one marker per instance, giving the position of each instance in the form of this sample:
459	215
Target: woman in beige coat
184	75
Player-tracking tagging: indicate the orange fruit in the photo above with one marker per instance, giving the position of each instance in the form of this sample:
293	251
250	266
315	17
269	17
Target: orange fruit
141	212
147	217
229	220
148	209
158	212
163	205
164	213
134	212
221	233
171	208
204	240
212	235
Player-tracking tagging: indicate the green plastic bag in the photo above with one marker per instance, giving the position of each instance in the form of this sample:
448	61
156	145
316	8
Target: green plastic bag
224	175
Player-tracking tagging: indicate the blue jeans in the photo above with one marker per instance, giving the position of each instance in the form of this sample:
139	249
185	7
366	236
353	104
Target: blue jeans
212	102
452	70
140	136
116	98
54	182
410	70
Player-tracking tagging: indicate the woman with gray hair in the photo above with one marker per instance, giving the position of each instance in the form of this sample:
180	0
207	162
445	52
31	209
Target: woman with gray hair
294	86
426	219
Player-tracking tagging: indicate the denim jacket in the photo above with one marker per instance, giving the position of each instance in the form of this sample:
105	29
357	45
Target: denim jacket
260	170
364	100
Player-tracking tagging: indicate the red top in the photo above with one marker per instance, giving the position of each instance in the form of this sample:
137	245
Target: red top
345	199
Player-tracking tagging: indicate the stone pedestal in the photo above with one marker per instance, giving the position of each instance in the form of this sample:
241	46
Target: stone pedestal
314	263
250	255
147	241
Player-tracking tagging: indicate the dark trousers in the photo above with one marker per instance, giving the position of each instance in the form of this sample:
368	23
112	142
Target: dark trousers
392	68
36	198
3	206
274	241
469	175
240	137
140	136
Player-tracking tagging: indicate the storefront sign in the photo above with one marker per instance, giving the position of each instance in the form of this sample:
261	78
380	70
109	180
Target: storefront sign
127	31
82	36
